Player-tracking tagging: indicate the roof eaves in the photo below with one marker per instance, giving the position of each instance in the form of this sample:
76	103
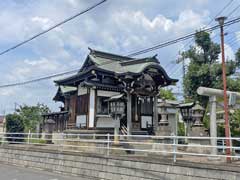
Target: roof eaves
59	81
67	89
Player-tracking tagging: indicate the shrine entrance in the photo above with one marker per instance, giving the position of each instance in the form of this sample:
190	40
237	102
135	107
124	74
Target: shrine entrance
142	112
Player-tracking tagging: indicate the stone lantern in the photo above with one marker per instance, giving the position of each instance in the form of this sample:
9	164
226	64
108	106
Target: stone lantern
167	122
117	109
197	114
49	128
197	129
167	125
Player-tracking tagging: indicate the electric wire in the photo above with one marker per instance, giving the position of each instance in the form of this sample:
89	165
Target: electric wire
183	38
212	20
51	28
161	45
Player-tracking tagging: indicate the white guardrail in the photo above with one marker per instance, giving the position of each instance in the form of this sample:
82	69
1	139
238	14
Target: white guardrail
173	146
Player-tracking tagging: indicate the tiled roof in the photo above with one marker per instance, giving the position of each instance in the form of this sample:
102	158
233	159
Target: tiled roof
109	56
121	64
117	64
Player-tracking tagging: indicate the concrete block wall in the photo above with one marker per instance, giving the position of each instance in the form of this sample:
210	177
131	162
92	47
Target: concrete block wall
110	168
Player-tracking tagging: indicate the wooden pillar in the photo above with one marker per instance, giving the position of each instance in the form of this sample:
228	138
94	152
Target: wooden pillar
129	113
155	113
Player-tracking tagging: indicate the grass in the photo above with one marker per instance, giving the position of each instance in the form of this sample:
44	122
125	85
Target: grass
36	141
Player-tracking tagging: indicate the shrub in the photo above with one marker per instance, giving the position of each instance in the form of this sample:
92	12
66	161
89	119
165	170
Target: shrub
14	124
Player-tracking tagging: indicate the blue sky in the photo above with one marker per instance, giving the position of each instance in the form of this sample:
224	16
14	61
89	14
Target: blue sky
118	26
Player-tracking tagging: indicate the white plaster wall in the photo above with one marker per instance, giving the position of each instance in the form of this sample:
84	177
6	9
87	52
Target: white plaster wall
144	120
81	119
81	90
91	108
107	93
1	130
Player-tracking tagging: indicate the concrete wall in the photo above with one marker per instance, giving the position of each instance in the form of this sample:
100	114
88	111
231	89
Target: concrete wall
105	122
1	131
1	128
112	168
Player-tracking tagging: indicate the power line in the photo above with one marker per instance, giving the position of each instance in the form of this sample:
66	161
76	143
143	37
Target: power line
52	27
234	44
182	38
175	70
219	13
212	19
40	79
228	15
226	6
234	10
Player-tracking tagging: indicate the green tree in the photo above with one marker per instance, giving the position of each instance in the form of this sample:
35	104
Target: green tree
181	129
167	94
32	115
235	123
204	69
237	57
14	124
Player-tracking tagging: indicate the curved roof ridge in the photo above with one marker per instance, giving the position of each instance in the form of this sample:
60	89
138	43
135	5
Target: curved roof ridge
111	56
140	60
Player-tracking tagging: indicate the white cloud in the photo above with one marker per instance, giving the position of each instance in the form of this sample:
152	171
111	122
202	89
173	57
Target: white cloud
116	26
7	92
229	53
44	23
237	34
29	69
41	20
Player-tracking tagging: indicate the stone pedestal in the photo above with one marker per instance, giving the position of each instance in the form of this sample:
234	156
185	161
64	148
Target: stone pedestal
198	131
116	130
163	130
49	128
163	149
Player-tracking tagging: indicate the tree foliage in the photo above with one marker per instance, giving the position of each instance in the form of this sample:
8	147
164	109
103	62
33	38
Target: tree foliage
14	124
167	94
235	123
204	68
237	56
32	115
181	129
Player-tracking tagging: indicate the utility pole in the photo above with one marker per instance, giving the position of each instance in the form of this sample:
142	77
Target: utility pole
227	130
4	122
181	59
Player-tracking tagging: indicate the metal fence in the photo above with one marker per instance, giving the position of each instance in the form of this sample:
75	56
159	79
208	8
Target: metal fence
172	147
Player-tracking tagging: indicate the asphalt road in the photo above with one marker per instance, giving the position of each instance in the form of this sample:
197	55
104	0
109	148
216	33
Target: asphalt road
8	172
